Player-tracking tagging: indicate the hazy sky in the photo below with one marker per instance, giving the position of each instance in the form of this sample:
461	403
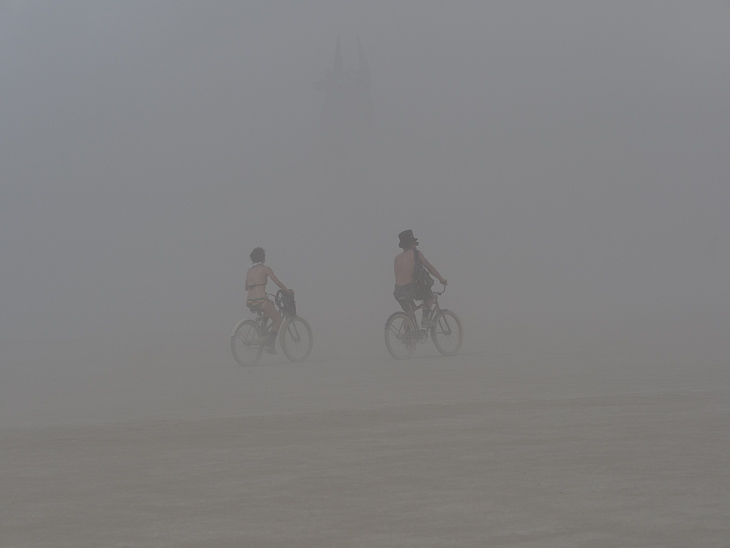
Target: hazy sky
564	164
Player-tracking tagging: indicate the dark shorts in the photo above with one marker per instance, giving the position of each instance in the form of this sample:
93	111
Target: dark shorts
406	294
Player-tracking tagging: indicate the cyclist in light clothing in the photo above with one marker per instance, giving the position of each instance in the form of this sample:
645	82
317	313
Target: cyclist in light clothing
256	279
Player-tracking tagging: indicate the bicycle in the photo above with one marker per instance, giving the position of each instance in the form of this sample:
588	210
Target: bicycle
251	336
402	331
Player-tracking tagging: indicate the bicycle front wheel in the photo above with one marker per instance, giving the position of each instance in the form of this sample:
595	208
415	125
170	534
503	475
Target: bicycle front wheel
446	333
295	339
401	336
247	342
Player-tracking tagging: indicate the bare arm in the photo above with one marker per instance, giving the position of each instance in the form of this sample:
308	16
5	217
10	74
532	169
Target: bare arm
431	268
276	281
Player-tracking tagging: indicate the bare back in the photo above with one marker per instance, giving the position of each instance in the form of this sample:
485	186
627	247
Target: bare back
405	267
256	279
405	264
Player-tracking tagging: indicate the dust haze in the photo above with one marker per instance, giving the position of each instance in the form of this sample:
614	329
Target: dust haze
563	164
564	167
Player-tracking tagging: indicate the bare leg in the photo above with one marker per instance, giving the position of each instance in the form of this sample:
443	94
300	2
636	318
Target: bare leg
270	312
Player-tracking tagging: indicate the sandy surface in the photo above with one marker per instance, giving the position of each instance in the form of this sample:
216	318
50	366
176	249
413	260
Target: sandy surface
555	446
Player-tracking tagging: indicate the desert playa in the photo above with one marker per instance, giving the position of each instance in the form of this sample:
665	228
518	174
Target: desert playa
549	446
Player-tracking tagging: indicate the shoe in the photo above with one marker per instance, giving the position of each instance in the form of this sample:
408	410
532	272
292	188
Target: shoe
427	321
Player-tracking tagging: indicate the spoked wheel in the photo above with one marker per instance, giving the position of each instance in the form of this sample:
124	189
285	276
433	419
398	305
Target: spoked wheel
446	333
401	336
295	339
247	342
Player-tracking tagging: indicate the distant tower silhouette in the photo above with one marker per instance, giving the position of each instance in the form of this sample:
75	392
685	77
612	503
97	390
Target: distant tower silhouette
346	122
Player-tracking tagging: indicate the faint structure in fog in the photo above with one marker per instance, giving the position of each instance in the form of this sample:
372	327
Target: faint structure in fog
346	122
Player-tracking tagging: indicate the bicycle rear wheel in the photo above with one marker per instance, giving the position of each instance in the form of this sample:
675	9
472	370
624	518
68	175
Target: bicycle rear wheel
295	339
401	336
247	342
446	333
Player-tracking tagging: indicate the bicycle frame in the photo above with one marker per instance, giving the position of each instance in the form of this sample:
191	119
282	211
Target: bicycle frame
262	320
402	330
435	310
294	336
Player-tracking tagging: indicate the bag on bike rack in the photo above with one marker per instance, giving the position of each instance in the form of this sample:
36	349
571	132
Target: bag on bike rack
288	306
422	276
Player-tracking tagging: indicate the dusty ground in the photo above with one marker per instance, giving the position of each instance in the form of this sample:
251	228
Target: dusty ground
552	446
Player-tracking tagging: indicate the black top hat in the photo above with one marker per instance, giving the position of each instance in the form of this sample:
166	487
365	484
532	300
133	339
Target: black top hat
406	239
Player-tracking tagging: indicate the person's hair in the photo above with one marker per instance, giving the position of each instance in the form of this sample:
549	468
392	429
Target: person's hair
257	255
